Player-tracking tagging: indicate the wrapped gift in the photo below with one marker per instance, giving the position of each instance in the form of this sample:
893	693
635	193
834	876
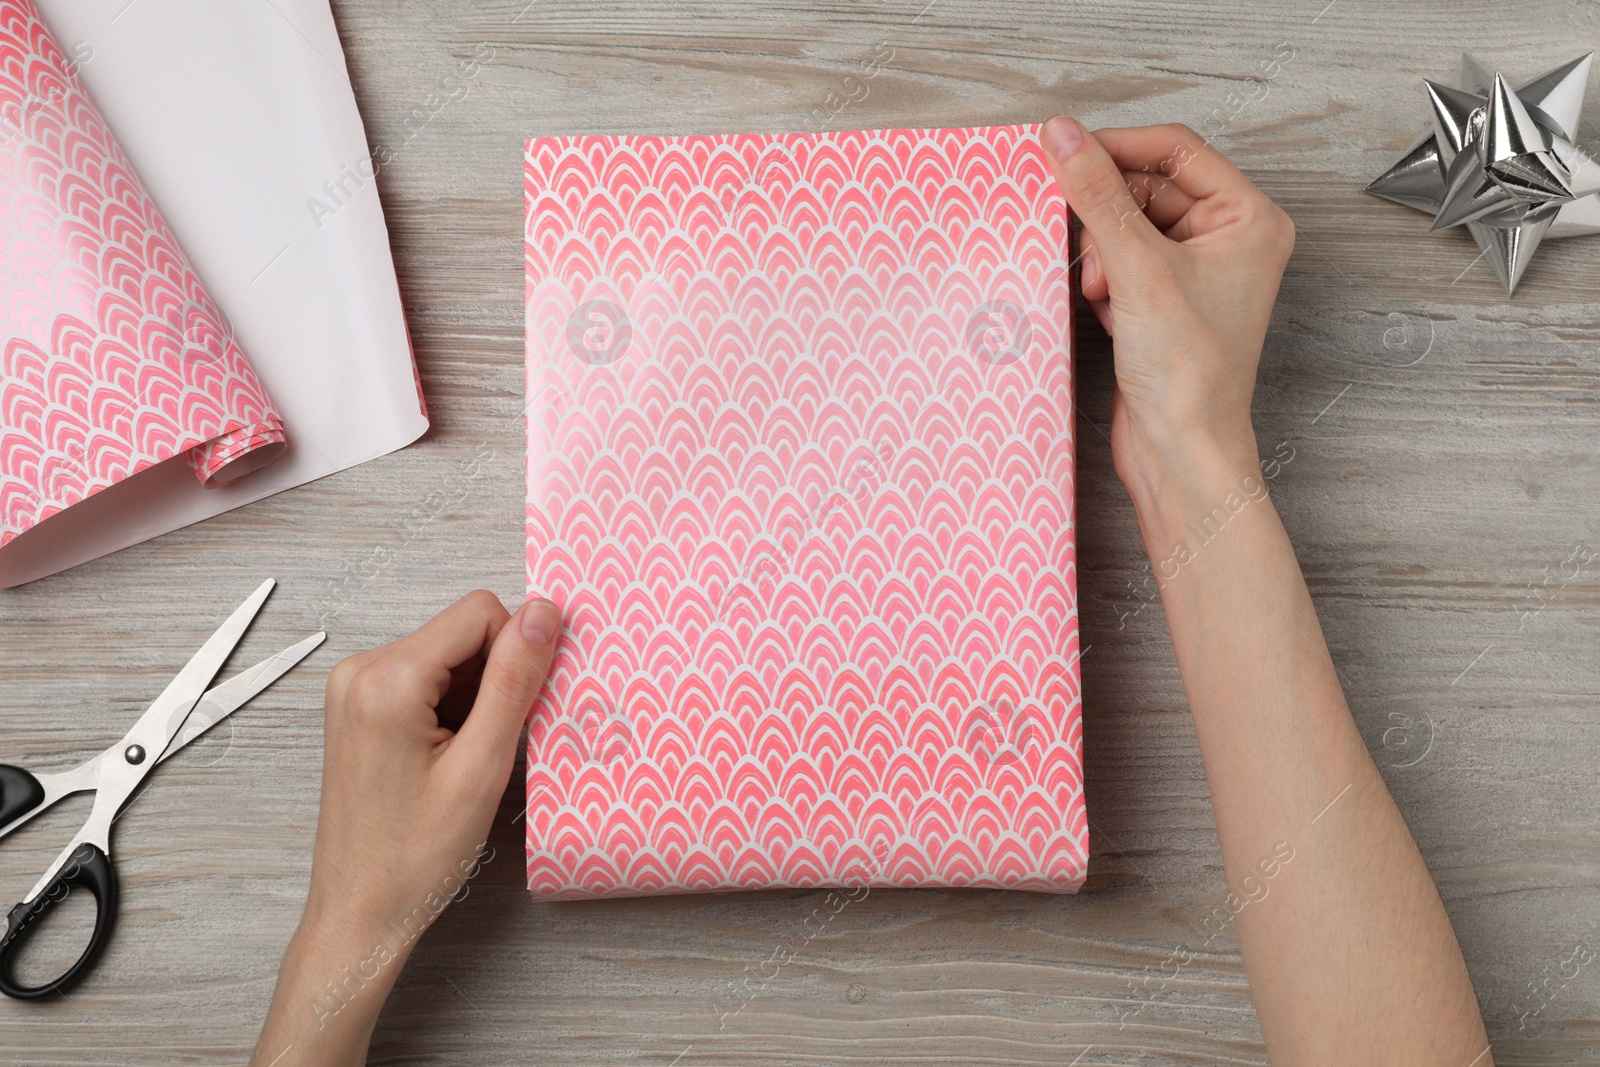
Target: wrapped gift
800	474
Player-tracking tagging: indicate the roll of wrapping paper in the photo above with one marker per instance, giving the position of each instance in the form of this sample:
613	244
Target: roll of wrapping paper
115	358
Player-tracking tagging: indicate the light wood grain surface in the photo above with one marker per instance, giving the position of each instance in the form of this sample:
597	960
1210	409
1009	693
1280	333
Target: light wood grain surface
1443	441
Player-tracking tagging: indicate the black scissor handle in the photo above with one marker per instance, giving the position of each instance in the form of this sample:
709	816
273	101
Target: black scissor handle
20	793
89	868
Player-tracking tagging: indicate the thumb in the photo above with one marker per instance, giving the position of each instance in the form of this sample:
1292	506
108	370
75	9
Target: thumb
518	663
1095	188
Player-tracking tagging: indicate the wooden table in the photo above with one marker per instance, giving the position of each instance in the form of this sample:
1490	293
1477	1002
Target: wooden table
1438	444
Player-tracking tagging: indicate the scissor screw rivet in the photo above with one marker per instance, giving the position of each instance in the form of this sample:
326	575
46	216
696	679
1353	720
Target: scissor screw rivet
135	754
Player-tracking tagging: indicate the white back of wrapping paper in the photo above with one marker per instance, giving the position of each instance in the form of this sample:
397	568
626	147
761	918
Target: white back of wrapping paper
235	115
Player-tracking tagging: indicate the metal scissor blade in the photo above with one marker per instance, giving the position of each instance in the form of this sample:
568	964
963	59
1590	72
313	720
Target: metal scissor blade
218	703
165	717
128	761
223	700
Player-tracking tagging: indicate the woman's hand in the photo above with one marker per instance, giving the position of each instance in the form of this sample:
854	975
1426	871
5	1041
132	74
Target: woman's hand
406	808
1348	949
1181	258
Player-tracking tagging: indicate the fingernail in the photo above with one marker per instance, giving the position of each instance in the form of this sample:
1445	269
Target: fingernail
1061	137
1091	271
540	621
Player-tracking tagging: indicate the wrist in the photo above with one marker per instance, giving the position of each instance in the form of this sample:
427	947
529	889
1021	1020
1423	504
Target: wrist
1191	486
331	987
344	967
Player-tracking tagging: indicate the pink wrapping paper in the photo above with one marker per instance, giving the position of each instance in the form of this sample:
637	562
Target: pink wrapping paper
114	357
800	471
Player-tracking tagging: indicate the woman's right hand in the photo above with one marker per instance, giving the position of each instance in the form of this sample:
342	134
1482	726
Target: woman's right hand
1353	950
1181	259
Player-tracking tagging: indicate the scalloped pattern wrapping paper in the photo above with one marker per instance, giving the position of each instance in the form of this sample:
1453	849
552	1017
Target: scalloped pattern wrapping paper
800	472
115	358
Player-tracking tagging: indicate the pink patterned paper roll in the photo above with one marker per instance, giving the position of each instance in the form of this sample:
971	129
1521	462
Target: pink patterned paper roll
114	357
800	472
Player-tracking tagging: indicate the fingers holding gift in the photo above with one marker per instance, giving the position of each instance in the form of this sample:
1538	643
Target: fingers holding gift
1173	154
1092	280
1189	188
1099	195
518	663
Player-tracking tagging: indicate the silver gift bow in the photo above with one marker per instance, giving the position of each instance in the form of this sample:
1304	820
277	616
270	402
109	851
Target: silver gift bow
1502	162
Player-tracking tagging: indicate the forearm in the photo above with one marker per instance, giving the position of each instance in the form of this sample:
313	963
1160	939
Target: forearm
1349	951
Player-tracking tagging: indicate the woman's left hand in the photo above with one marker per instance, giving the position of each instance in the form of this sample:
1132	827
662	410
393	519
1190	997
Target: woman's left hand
406	807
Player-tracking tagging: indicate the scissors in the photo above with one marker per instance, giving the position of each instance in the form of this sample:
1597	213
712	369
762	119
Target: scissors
185	710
